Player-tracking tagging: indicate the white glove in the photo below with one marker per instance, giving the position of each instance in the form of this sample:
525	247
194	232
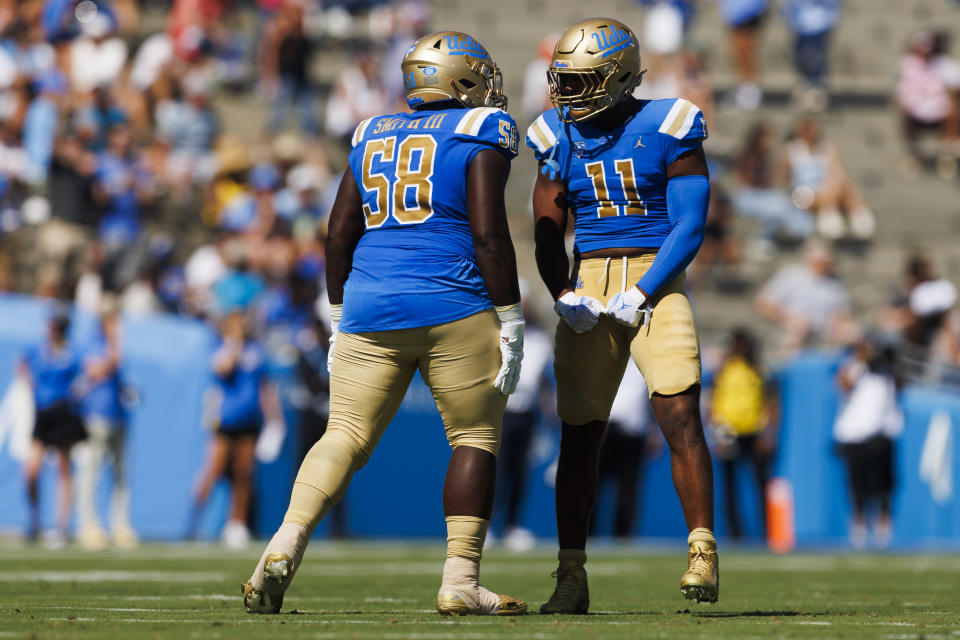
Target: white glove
511	348
336	310
629	307
581	313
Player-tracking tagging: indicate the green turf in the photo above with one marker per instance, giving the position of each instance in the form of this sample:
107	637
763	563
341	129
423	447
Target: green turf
383	592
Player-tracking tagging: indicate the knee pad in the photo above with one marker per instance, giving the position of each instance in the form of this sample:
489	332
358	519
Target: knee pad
324	477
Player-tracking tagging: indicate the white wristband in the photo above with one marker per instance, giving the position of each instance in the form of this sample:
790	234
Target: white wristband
336	311
510	314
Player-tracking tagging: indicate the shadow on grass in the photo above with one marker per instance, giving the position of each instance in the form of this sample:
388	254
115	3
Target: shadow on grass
592	614
756	614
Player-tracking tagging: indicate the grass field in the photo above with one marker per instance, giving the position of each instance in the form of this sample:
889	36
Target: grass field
369	591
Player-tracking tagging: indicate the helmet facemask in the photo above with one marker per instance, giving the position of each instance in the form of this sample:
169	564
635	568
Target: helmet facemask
490	95
490	72
580	94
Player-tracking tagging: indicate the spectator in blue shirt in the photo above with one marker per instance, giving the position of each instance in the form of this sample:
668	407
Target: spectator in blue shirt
104	405
53	367
40	125
61	19
245	398
812	21
121	185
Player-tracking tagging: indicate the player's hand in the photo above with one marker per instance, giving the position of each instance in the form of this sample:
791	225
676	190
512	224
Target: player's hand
581	313
629	307
336	310
511	348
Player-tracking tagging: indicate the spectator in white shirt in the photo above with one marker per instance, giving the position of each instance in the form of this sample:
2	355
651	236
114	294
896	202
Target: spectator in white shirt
868	422
96	58
808	302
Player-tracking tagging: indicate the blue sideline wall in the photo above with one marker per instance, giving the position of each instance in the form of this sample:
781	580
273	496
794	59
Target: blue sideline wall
398	493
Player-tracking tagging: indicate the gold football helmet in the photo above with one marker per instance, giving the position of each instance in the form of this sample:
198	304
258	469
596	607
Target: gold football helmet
595	64
451	65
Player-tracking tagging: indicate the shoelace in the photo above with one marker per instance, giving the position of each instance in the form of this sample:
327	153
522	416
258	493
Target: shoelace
565	586
701	564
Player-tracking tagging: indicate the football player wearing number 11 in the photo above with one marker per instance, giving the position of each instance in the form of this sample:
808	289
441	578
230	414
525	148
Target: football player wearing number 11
633	174
422	276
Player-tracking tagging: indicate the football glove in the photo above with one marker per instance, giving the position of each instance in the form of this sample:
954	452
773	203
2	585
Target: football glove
336	310
511	348
629	307
581	313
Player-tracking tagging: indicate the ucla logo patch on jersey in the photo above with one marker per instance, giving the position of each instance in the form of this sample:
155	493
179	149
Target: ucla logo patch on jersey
579	148
464	46
609	42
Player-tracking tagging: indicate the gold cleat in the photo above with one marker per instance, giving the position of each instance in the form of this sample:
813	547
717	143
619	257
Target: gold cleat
451	604
701	582
572	595
268	599
510	606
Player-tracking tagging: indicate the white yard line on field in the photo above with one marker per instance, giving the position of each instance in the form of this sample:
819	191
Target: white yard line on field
393	600
213	596
123	609
112	576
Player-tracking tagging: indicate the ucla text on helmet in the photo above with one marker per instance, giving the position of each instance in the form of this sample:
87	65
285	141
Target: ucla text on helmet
610	43
463	47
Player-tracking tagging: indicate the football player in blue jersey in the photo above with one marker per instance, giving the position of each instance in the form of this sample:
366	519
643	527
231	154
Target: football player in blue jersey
633	175
422	276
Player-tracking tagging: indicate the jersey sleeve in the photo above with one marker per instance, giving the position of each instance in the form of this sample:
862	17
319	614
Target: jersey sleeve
489	128
683	129
359	132
542	136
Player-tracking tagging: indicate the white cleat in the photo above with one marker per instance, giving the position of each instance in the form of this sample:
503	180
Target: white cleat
263	593
277	567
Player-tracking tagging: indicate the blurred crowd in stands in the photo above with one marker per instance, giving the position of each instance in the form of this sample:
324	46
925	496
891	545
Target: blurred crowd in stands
135	177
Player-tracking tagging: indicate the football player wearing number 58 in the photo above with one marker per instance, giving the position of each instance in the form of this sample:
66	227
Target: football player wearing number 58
421	275
633	175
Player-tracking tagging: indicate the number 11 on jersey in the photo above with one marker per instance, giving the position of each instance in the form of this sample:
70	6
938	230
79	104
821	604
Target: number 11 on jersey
631	204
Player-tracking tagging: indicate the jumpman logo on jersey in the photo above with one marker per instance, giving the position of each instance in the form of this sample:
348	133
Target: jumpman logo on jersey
640	144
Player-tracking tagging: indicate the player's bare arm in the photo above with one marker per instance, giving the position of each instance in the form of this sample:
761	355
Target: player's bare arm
343	233
486	180
496	260
581	313
549	229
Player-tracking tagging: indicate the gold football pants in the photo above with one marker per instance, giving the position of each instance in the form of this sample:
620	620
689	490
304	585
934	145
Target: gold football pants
589	366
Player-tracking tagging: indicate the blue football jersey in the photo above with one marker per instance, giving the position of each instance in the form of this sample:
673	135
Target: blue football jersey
616	180
415	264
